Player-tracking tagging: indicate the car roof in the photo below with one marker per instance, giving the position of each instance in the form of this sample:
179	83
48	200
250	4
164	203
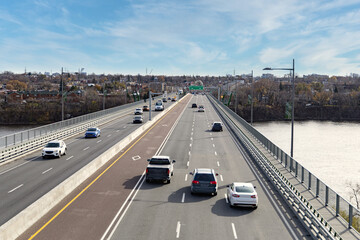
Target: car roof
216	122
161	156
204	170
55	141
243	184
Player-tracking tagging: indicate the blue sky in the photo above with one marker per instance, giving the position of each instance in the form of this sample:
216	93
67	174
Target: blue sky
184	37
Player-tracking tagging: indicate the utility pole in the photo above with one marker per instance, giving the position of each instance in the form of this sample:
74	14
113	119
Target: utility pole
62	96
252	96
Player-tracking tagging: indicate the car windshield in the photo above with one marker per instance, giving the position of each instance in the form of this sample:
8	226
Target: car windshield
52	145
204	177
244	189
157	161
158	104
217	124
91	129
137	117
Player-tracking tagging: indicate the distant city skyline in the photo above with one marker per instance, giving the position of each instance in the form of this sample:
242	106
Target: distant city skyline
204	37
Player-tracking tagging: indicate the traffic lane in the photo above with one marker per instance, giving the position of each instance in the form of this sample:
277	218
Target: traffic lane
220	218
99	203
24	185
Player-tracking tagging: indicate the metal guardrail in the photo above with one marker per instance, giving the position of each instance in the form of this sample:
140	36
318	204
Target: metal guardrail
311	217
21	143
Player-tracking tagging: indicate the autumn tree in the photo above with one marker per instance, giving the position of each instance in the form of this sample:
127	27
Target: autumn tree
16	85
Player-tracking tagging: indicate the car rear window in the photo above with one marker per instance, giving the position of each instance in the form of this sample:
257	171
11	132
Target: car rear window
244	189
204	177
157	161
52	145
91	129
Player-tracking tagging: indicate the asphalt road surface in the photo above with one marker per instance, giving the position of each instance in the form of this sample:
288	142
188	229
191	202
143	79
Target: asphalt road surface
27	179
116	203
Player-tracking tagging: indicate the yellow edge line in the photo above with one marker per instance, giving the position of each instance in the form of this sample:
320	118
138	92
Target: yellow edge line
79	194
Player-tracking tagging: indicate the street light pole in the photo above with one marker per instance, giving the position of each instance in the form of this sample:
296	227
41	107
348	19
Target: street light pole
293	102
62	96
252	96
292	110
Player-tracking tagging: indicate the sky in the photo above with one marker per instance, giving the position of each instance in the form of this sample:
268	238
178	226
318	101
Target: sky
180	37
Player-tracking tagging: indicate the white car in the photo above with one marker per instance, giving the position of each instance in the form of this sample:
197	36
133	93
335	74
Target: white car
242	194
54	148
159	106
138	111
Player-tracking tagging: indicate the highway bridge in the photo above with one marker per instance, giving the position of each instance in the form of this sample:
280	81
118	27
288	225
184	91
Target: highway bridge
97	191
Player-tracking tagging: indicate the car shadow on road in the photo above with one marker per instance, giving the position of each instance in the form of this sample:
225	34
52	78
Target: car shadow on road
177	196
222	208
153	184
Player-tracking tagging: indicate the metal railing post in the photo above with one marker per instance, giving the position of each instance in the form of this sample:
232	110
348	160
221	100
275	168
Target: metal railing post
296	168
350	215
326	196
337	204
302	174
317	187
309	185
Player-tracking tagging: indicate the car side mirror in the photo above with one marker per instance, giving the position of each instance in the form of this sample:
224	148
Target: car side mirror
173	161
217	174
149	160
227	185
191	173
254	186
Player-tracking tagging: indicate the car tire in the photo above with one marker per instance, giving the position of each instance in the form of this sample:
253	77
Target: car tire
43	157
168	181
147	180
215	193
172	174
64	152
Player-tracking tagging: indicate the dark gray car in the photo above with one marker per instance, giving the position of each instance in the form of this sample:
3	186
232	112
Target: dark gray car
204	181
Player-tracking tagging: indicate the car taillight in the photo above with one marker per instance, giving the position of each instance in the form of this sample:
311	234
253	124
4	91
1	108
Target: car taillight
253	196
168	171
236	195
213	182
147	170
195	182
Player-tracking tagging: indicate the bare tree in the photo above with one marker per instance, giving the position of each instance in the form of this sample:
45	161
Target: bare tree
354	193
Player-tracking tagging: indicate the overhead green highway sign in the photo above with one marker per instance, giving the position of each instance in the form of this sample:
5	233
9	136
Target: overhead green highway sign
193	87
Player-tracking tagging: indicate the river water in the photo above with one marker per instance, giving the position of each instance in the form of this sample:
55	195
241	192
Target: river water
330	150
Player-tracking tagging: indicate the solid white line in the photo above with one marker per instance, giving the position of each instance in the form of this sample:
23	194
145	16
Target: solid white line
218	163
18	166
99	141
183	198
188	163
221	178
226	199
46	171
69	158
178	229
185	177
216	153
86	148
15	188
234	230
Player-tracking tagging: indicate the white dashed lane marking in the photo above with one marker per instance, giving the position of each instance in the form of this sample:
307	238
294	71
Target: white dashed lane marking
46	171
15	188
69	158
86	148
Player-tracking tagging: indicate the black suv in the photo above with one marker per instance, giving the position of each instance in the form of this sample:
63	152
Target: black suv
194	105
204	181
217	127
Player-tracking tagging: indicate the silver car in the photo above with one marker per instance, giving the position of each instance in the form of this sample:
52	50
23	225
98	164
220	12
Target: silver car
204	181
